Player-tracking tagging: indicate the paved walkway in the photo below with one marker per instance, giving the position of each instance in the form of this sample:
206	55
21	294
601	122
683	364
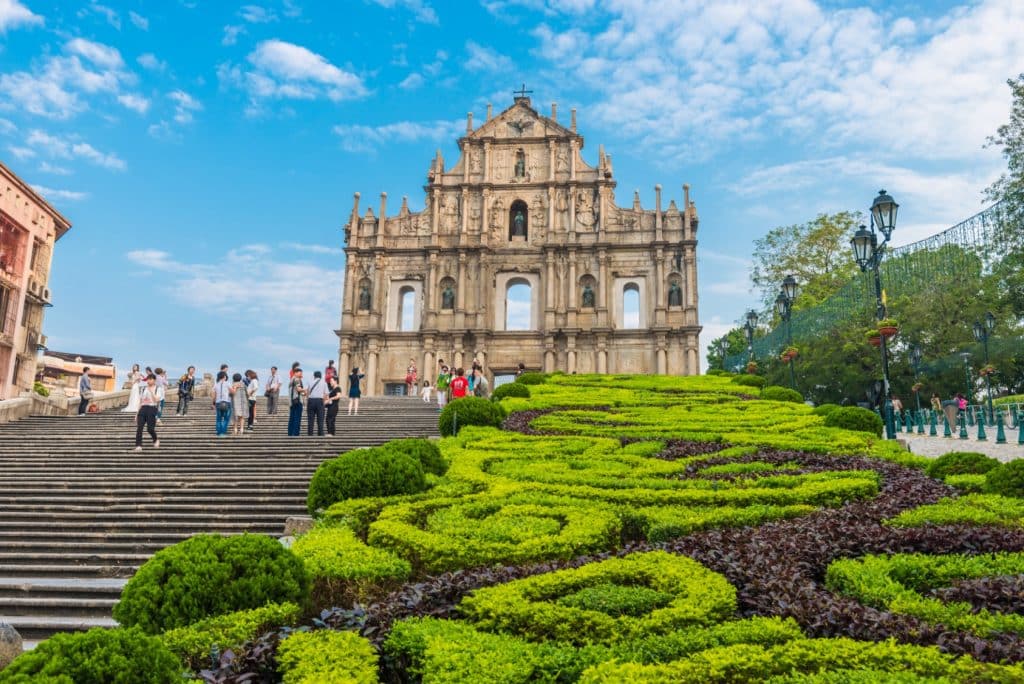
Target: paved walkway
937	446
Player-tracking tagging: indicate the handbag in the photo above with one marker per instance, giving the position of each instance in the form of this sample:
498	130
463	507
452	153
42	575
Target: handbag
88	395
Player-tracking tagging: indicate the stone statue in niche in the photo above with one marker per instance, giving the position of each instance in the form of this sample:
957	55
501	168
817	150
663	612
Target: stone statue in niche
499	165
585	209
448	297
475	163
588	296
520	169
675	294
364	297
497	217
561	160
475	211
519	224
451	212
539	211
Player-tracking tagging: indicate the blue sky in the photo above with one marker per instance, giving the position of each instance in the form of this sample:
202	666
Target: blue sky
207	152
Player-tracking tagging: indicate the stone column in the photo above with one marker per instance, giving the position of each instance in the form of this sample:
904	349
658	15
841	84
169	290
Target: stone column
549	285
485	214
551	161
549	354
487	161
691	355
551	211
662	355
371	371
602	354
435	211
660	301
382	220
466	149
571	228
605	302
464	211
460	293
570	360
572	160
657	214
344	366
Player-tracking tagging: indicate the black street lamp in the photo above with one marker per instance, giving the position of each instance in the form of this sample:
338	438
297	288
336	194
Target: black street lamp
721	350
966	356
915	360
868	252
749	327
981	334
784	307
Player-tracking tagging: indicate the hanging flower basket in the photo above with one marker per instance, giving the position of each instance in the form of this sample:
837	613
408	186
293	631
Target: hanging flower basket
987	370
917	386
752	367
874	337
789	353
888	327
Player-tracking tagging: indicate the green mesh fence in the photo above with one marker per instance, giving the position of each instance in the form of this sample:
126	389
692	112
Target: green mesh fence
961	249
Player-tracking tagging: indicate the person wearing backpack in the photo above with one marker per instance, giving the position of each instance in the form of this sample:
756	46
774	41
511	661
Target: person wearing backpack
481	388
186	388
315	396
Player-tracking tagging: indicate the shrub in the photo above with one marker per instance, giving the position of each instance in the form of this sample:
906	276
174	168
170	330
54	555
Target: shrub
776	393
424	450
344	569
825	409
364	473
855	418
469	411
99	656
961	463
40	389
749	380
210	575
193	644
973	509
510	389
969	484
1007	479
326	656
717	371
532	378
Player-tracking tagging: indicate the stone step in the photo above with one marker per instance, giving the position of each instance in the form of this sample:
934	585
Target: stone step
63	606
72	588
36	627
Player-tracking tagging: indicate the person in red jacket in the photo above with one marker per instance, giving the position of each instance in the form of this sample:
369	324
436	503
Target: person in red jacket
459	384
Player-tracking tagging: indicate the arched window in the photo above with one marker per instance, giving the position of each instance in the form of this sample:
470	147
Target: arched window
518	305
447	294
407	309
518	220
631	306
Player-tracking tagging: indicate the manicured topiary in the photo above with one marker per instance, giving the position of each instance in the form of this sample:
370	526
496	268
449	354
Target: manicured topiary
210	575
961	463
117	656
469	411
425	451
855	418
532	378
326	656
345	569
511	389
825	409
776	393
717	371
1007	479
194	643
749	380
366	472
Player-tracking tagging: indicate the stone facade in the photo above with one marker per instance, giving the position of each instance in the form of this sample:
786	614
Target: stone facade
520	207
29	227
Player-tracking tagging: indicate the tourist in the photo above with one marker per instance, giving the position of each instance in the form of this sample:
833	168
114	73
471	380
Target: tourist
961	404
315	396
252	390
353	391
296	391
333	403
149	404
425	392
84	391
459	385
897	407
443	378
186	390
222	403
135	382
330	371
936	403
239	403
161	381
410	378
291	373
481	388
273	391
521	369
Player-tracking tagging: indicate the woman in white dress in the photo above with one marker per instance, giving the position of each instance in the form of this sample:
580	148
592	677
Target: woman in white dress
137	380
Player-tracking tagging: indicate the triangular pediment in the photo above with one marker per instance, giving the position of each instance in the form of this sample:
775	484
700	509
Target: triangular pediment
521	120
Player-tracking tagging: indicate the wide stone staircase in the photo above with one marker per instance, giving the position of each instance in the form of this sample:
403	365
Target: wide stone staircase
80	511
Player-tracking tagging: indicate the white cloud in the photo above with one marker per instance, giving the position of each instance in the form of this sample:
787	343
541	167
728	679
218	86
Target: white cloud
411	82
139	21
64	148
14	14
109	14
282	70
184	106
47	167
150	61
7	127
231	33
257	14
134	102
313	249
359	138
21	153
99	54
422	11
51	194
483	58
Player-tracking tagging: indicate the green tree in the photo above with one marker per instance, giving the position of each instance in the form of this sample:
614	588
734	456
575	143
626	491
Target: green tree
735	344
817	253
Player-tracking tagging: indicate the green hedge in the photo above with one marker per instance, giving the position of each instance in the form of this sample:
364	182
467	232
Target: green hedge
99	656
824	409
326	656
1011	399
855	418
510	389
363	473
897	584
777	393
973	509
344	569
969	483
1007	479
193	644
459	413
210	575
424	450
749	380
680	593
961	463
532	378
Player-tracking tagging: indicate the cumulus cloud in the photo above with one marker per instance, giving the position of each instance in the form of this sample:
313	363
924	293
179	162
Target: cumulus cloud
51	194
257	14
68	148
360	138
279	70
411	82
150	61
140	22
423	12
231	33
184	106
134	102
481	58
14	14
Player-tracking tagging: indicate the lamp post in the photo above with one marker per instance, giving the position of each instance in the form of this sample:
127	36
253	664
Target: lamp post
981	334
868	252
784	307
749	327
966	356
915	360
721	350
